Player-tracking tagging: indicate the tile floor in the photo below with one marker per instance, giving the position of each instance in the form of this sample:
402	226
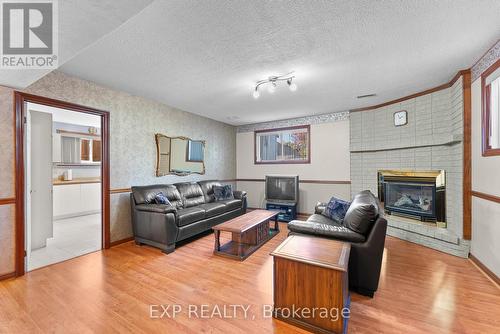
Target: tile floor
72	237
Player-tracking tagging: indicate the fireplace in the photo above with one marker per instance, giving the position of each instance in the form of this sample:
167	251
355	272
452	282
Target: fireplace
413	194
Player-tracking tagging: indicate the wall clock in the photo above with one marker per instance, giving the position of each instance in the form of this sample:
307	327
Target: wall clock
401	118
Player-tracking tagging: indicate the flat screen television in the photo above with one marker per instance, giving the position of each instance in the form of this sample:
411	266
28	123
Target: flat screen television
282	189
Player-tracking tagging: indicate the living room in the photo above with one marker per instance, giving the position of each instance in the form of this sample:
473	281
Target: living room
263	166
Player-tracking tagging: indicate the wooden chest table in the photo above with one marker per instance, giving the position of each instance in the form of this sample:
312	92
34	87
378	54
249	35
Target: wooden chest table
310	275
249	232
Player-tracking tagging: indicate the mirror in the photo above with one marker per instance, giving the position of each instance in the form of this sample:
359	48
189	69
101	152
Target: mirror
179	155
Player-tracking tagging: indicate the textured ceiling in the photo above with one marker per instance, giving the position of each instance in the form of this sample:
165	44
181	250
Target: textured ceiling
204	56
81	22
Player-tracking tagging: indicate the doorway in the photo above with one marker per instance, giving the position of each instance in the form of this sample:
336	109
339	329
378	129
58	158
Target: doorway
62	181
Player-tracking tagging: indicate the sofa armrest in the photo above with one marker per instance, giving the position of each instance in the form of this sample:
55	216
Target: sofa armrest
239	194
320	207
156	208
333	231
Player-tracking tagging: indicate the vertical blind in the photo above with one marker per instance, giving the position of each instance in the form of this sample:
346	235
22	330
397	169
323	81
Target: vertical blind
495	113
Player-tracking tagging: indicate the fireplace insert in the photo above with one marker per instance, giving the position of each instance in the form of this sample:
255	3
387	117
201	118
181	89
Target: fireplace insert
413	194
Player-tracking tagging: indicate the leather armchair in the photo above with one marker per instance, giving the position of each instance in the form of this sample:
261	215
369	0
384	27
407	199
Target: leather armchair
367	249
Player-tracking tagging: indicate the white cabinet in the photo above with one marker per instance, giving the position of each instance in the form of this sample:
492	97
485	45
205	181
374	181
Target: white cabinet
72	200
91	197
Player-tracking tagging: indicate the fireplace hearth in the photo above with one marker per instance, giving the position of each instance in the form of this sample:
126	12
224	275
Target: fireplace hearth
414	194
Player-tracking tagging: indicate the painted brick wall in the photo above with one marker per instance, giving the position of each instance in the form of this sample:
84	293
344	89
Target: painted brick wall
432	140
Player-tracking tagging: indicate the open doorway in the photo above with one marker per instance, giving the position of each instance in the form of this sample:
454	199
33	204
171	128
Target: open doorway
62	181
63	184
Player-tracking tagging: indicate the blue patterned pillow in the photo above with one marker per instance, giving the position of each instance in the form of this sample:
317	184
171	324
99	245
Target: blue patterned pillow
160	198
223	192
336	209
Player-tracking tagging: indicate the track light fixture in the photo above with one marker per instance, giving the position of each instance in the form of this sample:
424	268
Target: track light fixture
272	81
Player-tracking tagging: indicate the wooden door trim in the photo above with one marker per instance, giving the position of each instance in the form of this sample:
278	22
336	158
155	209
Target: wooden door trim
20	100
467	156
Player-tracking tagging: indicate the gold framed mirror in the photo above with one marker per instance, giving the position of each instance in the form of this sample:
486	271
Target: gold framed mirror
179	155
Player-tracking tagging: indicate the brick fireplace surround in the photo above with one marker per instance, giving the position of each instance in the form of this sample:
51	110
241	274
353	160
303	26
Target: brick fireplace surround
432	140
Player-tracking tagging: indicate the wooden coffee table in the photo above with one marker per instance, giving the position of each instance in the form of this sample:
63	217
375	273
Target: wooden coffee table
311	272
249	232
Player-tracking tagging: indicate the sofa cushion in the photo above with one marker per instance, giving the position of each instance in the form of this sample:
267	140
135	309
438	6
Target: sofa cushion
335	231
362	213
319	218
147	194
188	216
336	209
213	209
208	191
224	192
232	204
191	194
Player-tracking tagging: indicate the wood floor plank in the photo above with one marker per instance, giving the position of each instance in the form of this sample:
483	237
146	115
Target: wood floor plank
421	291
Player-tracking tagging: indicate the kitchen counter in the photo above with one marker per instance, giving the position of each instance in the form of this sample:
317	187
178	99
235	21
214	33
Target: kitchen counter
81	180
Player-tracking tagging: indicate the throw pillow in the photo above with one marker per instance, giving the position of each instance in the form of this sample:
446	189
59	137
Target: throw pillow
336	209
224	192
160	198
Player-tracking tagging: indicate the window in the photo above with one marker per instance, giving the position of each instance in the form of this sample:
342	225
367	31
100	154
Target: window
283	146
195	151
490	82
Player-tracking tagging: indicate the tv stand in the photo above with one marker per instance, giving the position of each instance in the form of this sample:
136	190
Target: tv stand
288	211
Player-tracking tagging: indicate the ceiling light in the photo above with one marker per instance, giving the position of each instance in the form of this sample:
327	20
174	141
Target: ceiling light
272	81
256	93
291	85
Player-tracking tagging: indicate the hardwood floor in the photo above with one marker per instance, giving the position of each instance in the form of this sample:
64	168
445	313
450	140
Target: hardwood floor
421	291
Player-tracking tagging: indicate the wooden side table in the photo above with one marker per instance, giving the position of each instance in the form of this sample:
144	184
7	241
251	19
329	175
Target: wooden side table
311	274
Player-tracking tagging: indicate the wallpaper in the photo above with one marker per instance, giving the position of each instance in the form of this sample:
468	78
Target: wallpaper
133	123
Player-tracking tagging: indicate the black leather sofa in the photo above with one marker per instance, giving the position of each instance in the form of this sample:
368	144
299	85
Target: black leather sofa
367	248
193	210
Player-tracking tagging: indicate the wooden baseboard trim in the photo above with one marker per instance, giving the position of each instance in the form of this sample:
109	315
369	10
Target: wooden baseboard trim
487	272
7	276
122	241
6	201
488	197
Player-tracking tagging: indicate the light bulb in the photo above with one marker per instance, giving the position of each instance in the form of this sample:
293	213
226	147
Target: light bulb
291	85
256	94
271	88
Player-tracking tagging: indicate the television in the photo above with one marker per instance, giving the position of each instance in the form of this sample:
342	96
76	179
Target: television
282	189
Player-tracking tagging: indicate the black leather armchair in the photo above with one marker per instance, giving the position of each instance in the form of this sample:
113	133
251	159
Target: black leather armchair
367	248
193	210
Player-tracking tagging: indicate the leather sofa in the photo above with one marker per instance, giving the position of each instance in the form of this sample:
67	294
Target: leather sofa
367	248
193	210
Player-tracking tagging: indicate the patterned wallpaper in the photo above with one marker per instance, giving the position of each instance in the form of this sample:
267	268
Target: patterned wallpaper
133	123
315	119
486	61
